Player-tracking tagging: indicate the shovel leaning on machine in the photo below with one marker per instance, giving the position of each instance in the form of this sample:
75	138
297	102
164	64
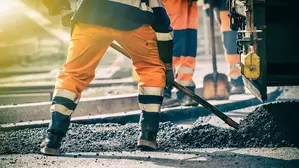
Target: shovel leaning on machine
195	97
215	85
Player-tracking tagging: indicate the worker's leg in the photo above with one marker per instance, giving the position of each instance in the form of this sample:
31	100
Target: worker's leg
88	44
178	18
141	45
185	46
185	25
230	45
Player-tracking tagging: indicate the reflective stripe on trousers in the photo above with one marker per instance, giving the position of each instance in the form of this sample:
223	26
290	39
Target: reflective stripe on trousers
64	103
150	100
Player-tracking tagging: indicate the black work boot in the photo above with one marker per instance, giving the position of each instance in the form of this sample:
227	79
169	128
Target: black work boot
51	144
57	130
168	101
147	141
237	86
149	126
188	101
184	99
237	90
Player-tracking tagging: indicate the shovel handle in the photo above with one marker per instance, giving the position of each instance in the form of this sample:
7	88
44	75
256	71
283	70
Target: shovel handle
119	49
207	105
195	97
212	36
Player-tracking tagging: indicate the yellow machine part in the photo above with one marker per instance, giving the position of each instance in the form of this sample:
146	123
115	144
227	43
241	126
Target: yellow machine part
250	65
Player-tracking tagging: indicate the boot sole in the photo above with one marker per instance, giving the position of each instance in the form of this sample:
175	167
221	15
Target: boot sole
50	151
145	148
190	105
169	106
145	145
237	92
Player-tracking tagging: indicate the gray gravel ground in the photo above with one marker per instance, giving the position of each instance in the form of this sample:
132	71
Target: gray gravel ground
191	158
264	127
273	126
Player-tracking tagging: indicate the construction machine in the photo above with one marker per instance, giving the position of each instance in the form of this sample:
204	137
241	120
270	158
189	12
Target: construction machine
267	42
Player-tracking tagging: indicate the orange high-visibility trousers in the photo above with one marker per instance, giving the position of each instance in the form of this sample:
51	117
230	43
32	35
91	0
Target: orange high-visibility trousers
90	42
184	21
88	45
229	39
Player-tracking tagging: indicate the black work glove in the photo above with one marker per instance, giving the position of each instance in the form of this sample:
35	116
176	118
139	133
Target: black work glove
169	77
65	18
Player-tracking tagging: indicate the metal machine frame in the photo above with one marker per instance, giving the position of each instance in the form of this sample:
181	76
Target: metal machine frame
266	43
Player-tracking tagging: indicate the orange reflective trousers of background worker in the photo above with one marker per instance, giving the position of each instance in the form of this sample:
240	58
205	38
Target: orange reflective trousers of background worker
184	21
88	45
229	39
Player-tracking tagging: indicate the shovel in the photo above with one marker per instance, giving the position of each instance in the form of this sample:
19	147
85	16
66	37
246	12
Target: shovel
195	97
215	85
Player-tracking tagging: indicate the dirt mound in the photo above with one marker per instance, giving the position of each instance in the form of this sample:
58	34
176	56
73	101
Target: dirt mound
271	125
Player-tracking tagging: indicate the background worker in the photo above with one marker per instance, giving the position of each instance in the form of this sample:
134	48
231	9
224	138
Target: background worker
184	21
142	28
229	39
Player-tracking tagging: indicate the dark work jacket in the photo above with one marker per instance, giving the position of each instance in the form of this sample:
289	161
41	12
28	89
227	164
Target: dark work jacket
123	15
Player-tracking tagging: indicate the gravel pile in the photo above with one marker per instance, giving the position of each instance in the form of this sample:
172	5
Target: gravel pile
272	125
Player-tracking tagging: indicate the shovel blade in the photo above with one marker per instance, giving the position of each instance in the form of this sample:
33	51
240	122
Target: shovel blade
222	87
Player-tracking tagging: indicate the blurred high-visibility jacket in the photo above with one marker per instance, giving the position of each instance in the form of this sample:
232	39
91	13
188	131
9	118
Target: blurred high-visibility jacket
123	15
